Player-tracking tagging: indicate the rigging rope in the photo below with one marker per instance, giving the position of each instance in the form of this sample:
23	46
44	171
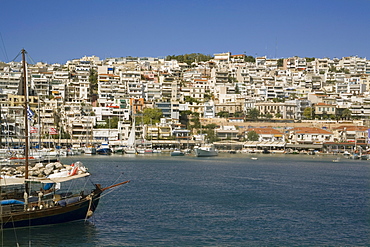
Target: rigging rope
5	53
117	178
17	56
31	59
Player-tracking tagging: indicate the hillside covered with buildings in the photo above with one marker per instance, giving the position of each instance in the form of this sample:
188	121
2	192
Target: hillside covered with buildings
193	97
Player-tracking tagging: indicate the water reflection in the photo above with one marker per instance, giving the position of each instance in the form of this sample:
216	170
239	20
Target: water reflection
79	233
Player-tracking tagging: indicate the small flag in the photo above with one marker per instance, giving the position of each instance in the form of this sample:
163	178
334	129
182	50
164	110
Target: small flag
30	113
53	131
33	130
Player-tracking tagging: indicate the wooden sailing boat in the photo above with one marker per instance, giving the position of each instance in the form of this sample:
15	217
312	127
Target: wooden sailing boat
21	205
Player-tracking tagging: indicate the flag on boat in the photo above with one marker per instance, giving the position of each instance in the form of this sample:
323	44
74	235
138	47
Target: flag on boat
33	130
53	131
30	113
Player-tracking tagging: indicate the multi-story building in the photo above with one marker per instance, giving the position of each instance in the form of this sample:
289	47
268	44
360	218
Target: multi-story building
287	110
323	109
306	135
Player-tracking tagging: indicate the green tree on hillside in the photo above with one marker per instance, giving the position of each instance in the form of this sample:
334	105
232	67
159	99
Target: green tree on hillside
280	62
249	59
93	79
252	136
310	59
253	114
190	58
152	115
269	116
191	100
346	114
223	114
308	113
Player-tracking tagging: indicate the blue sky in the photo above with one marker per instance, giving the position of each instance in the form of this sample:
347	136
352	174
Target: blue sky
56	31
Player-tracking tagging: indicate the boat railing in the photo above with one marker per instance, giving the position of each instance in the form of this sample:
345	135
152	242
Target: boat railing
8	209
38	205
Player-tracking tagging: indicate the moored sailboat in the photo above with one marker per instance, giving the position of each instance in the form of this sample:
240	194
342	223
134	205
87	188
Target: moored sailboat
131	142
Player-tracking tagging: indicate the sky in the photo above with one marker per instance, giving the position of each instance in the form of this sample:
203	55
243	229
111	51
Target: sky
57	31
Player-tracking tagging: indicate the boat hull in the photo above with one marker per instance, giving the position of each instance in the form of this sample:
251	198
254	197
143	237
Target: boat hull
130	151
177	153
90	151
205	153
52	215
104	151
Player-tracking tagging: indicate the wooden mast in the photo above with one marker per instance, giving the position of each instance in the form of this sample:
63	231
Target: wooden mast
26	132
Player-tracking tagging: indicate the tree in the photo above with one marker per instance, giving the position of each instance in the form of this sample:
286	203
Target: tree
191	100
93	79
310	59
308	113
112	123
280	62
210	135
223	114
210	126
152	115
196	122
277	100
239	114
189	58
253	114
278	115
252	136
346	114
208	97
231	79
269	116
250	59
332	69
293	96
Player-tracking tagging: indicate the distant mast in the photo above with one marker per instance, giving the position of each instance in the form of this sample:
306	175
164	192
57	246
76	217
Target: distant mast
25	92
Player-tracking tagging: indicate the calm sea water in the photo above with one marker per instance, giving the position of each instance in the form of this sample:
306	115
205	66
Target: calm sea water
229	200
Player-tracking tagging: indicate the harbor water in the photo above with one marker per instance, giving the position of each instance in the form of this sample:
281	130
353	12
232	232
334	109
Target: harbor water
229	200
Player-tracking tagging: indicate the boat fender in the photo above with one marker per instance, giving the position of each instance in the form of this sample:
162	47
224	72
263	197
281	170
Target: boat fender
73	171
89	214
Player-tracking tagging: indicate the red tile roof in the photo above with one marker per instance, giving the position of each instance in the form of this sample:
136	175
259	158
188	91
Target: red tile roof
310	130
265	131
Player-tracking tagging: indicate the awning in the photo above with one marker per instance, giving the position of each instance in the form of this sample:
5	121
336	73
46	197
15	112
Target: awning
313	146
264	144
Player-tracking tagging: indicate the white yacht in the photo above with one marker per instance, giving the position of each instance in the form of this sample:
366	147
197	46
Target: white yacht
206	151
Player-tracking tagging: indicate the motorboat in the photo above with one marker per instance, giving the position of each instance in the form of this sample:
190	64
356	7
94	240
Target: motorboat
207	150
177	153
